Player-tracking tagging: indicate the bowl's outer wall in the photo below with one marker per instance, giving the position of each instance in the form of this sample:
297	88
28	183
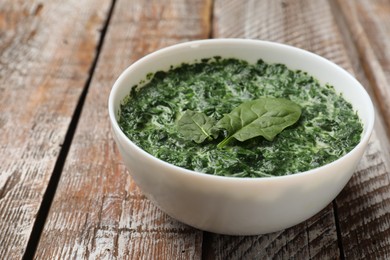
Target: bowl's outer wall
233	205
239	207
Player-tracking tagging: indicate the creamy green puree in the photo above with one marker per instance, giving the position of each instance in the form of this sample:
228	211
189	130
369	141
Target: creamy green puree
327	128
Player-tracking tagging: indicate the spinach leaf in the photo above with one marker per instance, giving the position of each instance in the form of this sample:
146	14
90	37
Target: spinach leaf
265	117
197	126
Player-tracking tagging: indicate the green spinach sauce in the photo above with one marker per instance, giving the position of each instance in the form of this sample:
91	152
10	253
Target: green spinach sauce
327	129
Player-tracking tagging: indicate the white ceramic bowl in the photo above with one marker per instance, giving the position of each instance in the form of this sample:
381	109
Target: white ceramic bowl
239	206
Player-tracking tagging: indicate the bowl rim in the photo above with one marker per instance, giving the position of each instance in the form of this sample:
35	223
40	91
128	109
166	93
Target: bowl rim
368	126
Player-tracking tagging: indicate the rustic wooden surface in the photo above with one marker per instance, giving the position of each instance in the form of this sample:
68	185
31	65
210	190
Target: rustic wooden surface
46	52
369	24
57	58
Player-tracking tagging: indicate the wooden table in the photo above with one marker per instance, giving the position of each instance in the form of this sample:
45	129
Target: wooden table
64	191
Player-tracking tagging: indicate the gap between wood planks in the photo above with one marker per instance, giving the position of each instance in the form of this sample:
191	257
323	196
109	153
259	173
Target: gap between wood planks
346	37
59	165
338	230
207	248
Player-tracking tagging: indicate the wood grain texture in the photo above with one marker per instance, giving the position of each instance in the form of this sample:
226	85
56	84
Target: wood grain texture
354	55
315	238
303	24
46	51
98	212
311	26
369	23
364	208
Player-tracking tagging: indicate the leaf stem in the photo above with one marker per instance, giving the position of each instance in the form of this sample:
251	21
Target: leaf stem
224	142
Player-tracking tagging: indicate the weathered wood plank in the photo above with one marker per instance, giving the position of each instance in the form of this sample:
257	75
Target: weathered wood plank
350	37
363	207
98	212
369	23
315	238
303	24
46	51
308	25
